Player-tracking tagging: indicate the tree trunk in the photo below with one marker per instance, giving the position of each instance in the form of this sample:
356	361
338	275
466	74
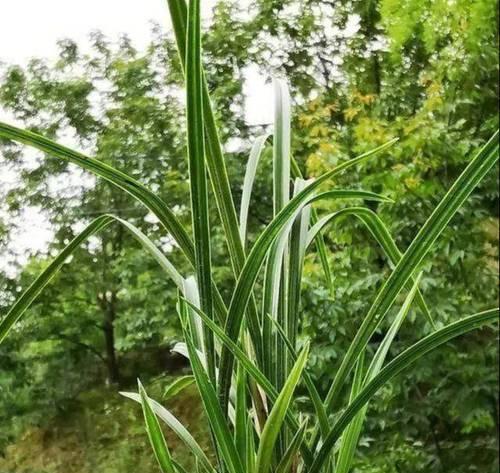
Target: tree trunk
111	248
109	338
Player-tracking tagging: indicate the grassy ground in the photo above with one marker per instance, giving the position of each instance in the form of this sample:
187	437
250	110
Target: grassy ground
103	433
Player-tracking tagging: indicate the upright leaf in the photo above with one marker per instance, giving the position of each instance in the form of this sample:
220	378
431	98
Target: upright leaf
197	173
278	413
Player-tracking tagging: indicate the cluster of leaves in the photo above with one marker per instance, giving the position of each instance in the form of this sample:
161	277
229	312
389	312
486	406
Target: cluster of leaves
375	98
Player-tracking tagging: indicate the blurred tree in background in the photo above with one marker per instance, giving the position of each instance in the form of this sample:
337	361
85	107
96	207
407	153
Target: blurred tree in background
121	106
361	72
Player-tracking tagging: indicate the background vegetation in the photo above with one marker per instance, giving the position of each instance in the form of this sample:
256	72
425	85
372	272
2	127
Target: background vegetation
424	70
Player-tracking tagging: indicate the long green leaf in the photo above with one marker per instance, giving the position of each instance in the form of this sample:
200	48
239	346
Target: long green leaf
162	260
320	243
278	414
178	385
192	294
399	364
250	448
27	298
246	281
348	443
155	434
250	173
186	286
298	240
409	263
197	174
22	304
336	194
241	412
173	423
275	298
351	435
215	158
220	430
150	200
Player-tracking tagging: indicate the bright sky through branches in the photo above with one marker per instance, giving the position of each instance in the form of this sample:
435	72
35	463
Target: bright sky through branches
31	28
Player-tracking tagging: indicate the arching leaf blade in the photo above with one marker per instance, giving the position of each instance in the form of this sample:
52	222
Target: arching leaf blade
28	296
150	200
173	423
399	364
248	181
416	252
381	234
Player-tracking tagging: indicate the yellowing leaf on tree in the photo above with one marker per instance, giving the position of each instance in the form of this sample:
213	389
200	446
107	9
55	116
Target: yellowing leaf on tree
319	130
315	164
412	182
351	112
365	99
325	147
313	105
305	120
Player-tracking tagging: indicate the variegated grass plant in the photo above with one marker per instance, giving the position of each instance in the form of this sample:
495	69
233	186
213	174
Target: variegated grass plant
244	356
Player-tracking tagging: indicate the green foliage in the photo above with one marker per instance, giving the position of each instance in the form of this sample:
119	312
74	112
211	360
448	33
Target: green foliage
401	76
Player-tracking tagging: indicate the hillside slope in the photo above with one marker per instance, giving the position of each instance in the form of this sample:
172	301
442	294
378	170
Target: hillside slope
103	433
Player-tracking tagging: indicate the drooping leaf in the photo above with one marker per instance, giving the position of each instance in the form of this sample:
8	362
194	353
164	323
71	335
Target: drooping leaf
421	245
28	296
177	386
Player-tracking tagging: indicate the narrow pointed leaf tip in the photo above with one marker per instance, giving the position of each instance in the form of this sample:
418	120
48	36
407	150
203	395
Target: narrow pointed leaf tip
155	434
173	423
278	413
